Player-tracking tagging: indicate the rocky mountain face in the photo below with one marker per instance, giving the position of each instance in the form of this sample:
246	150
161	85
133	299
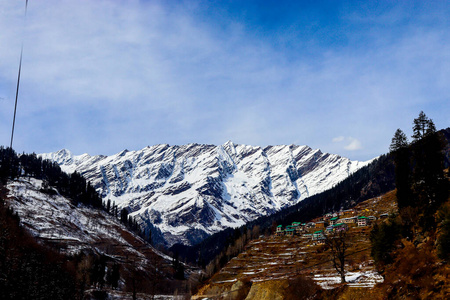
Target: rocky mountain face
185	193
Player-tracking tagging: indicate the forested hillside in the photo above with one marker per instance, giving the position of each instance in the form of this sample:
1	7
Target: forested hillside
57	241
73	186
28	270
410	248
373	180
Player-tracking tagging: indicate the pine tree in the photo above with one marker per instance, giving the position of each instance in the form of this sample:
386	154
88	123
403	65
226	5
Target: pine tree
108	206
420	126
399	141
124	216
149	236
401	153
430	187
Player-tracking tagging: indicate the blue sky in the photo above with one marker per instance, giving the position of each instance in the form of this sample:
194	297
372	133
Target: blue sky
102	76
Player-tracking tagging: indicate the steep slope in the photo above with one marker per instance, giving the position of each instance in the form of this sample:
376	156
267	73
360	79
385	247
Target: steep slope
189	192
54	221
277	259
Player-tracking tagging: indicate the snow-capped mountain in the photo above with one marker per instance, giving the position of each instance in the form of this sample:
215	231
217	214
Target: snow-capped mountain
191	191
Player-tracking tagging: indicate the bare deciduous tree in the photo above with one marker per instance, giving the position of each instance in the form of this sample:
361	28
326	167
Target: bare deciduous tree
338	241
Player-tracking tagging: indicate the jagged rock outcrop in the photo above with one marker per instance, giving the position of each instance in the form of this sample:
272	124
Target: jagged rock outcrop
194	190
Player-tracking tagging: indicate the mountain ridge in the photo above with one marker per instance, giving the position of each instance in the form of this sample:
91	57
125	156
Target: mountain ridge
190	191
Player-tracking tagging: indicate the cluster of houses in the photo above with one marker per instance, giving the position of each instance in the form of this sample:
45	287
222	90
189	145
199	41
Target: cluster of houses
328	223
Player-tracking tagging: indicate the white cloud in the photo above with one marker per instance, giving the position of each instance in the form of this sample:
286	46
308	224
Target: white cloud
338	139
348	143
102	76
354	144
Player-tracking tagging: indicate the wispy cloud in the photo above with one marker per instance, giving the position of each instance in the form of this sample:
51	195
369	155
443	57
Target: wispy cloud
348	143
354	145
338	139
106	75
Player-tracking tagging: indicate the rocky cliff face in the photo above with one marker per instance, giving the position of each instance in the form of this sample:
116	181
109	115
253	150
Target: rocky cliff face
191	191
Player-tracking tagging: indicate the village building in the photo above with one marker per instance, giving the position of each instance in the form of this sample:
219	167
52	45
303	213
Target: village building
300	228
363	221
333	221
310	225
307	236
347	213
280	230
340	227
296	224
289	230
327	217
318	236
351	220
320	225
337	227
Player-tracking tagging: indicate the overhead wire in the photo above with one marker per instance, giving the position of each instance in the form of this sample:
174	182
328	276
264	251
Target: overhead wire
18	84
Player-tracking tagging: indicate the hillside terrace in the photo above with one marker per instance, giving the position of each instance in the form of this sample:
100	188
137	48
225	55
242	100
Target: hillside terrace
364	214
304	254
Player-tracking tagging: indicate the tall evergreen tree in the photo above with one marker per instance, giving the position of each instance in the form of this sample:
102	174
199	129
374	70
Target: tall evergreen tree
420	126
108	206
124	216
430	187
400	151
399	141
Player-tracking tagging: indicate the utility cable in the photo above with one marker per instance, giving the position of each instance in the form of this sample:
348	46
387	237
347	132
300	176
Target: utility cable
18	84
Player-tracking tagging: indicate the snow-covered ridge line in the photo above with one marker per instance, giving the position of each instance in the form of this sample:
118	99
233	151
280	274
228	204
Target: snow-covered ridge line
194	190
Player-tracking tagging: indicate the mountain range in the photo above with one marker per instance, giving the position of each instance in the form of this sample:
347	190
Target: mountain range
186	193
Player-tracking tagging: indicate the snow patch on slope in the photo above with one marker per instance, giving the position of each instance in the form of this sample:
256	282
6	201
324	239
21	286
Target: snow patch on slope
191	191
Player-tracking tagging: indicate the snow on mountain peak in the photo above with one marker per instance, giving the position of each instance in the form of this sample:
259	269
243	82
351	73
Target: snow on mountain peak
191	191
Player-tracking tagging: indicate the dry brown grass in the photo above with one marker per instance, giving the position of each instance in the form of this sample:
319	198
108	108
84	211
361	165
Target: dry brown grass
286	258
416	274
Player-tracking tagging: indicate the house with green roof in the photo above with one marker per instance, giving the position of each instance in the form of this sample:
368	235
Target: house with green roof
289	231
318	235
280	230
363	221
333	221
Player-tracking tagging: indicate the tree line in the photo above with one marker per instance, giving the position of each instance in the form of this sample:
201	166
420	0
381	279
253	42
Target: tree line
422	192
72	274
370	181
411	249
72	186
377	178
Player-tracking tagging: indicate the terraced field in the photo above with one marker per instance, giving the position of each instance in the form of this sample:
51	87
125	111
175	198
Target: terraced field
280	258
276	258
